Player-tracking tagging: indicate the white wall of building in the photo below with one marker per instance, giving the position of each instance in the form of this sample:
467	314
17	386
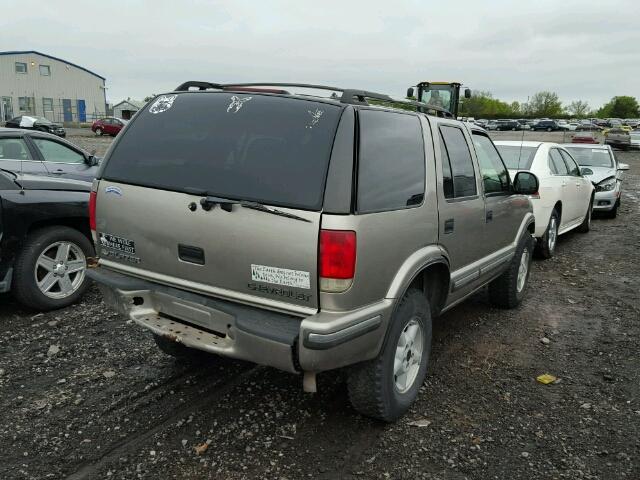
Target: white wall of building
57	96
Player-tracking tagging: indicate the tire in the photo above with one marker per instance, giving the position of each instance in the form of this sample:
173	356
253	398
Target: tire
508	290
546	246
585	226
179	351
39	258
374	389
549	129
99	132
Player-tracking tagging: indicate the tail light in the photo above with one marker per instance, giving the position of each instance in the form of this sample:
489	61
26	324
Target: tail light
337	260
92	212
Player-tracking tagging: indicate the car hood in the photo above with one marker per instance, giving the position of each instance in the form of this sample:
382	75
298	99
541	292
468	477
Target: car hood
599	173
43	182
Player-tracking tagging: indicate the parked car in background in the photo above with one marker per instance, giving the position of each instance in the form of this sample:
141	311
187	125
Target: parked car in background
634	139
617	138
503	125
44	154
275	253
108	126
491	125
565	196
548	125
588	127
599	165
40	124
44	239
584	137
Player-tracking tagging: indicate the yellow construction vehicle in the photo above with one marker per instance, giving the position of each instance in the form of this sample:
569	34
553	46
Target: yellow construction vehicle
439	94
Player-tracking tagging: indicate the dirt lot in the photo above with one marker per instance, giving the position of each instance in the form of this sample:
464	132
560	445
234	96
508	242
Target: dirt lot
85	394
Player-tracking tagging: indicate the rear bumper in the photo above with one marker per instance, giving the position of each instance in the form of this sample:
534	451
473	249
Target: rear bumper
324	341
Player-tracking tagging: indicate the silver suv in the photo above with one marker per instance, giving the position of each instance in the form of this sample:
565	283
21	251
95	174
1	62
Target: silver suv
307	233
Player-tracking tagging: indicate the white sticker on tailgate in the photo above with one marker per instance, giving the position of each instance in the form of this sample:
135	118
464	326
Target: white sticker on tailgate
280	276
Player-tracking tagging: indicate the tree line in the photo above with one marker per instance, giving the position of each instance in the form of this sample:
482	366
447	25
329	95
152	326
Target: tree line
482	104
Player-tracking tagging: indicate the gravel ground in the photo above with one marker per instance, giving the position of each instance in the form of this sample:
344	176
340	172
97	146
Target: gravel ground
85	394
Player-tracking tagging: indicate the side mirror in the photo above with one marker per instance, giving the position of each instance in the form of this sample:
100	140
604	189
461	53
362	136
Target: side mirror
623	166
92	160
586	171
410	92
525	183
467	93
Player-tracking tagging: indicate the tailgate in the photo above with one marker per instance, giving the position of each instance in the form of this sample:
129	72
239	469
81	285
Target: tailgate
247	255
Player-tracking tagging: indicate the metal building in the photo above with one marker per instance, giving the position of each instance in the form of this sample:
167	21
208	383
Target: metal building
34	83
127	108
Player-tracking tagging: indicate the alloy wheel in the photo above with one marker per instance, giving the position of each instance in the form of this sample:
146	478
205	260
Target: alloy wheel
523	269
552	234
408	356
60	269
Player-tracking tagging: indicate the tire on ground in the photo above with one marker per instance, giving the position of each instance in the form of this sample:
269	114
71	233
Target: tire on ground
503	291
372	385
542	248
24	287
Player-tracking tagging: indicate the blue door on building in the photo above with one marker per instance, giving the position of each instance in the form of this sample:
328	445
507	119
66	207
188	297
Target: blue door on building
66	110
82	111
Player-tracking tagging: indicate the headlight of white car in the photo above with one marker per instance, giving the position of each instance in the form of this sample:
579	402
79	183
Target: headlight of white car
607	184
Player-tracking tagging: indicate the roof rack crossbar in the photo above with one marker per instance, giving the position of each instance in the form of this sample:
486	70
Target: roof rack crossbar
199	85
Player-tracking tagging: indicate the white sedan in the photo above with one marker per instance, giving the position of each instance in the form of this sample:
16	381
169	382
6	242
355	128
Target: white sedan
565	197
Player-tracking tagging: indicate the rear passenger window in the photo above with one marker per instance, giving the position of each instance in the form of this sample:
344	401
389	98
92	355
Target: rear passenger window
13	149
391	164
459	156
556	164
571	164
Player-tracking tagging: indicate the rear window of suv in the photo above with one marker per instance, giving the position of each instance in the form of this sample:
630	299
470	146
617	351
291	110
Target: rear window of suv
256	147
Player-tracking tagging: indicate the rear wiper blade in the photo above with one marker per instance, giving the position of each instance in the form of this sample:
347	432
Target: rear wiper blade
263	208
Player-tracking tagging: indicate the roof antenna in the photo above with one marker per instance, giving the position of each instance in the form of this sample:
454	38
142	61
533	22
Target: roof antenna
521	142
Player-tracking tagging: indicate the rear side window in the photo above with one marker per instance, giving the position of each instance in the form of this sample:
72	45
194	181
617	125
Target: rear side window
13	149
556	163
459	157
517	157
571	164
264	148
391	164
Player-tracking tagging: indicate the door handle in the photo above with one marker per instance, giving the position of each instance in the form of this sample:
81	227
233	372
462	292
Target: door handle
449	225
489	216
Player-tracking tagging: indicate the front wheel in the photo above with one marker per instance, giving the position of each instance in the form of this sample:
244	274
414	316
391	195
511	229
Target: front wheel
49	271
507	291
385	387
549	129
99	132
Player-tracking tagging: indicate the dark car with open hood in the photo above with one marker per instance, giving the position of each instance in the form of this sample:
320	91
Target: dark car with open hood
44	239
41	124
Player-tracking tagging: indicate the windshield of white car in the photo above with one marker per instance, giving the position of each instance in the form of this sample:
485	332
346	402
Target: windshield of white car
591	157
516	157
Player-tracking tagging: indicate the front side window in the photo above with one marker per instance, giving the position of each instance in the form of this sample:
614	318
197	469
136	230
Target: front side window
556	164
13	149
47	104
391	164
494	174
21	67
45	70
464	179
56	152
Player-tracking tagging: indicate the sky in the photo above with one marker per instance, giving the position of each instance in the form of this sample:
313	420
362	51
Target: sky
583	50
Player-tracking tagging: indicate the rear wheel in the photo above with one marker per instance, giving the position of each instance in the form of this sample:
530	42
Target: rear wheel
585	226
385	387
507	291
49	271
549	129
547	244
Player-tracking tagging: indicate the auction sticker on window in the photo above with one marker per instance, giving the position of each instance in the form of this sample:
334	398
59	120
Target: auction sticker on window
280	276
117	243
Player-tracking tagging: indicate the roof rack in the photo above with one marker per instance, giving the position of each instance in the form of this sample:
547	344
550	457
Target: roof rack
349	96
